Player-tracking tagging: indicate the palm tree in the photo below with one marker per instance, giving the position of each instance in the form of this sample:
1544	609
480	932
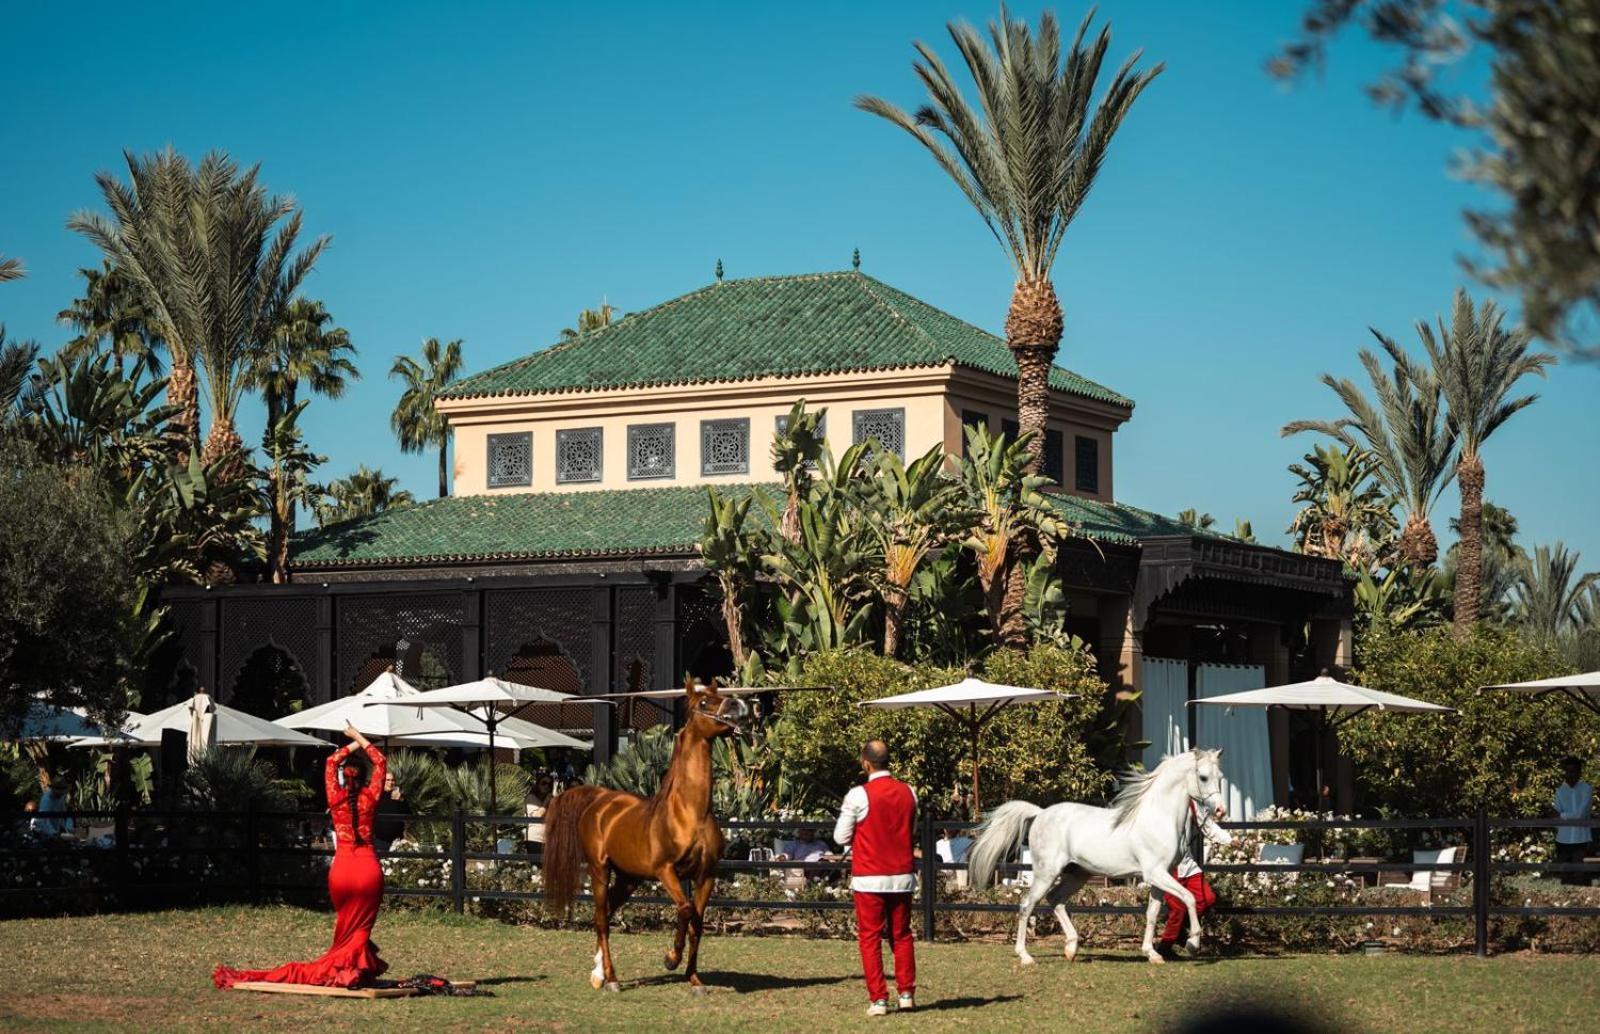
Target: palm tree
917	513
590	319
1026	159
730	553
1347	515
1502	562
1195	519
1243	531
1548	599
795	455
211	258
11	269
17	359
1477	363
362	494
109	313
416	422
288	485
1406	431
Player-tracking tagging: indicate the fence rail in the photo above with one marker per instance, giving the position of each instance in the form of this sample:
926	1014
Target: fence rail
247	837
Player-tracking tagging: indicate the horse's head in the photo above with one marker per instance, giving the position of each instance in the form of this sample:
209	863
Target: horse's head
711	714
1205	781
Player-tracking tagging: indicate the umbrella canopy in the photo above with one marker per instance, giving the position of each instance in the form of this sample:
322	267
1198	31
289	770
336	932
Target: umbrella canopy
1583	689
232	728
491	701
972	702
1331	701
42	721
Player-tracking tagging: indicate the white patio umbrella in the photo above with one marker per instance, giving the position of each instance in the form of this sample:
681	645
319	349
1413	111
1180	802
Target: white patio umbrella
1583	690
492	701
432	727
972	702
232	728
202	724
1331	702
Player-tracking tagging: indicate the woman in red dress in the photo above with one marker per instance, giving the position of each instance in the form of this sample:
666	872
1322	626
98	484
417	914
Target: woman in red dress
355	881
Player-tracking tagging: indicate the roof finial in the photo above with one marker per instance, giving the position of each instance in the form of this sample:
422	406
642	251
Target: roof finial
719	271
855	260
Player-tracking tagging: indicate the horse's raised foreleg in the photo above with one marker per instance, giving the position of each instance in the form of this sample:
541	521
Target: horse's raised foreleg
1072	880
1043	880
604	974
1160	881
697	921
674	888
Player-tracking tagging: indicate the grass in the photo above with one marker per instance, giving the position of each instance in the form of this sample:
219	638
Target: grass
151	972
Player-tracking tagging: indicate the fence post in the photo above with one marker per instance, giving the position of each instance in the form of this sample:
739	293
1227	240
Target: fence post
124	871
1480	880
930	875
458	861
252	844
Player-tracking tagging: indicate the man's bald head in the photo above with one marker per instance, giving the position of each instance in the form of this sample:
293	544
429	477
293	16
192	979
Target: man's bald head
875	753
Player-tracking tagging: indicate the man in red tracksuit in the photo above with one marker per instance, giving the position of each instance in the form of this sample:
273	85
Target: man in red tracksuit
1189	873
877	823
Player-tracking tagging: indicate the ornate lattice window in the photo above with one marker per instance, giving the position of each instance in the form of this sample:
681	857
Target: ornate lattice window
510	459
887	427
725	446
651	451
578	455
1087	463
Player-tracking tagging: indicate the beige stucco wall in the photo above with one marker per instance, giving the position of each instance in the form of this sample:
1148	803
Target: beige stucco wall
921	393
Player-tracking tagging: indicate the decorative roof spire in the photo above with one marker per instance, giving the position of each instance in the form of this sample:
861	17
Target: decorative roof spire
719	271
855	260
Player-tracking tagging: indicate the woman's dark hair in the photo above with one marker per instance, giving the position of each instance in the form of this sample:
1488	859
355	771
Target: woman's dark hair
353	785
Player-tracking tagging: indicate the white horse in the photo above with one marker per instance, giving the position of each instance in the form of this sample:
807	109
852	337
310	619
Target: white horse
1144	833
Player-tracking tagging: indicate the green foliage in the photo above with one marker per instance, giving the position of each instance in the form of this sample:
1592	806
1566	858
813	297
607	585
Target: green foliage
1037	752
233	779
1499	751
416	423
361	494
467	787
747	781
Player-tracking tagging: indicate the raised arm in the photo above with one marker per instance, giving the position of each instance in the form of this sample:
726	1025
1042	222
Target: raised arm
330	775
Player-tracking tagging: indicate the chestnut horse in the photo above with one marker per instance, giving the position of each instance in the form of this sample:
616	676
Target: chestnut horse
627	839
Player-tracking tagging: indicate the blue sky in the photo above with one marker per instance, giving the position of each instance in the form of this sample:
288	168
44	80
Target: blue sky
486	170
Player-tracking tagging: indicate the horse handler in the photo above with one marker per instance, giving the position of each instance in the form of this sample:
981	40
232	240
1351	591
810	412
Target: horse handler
878	822
1189	873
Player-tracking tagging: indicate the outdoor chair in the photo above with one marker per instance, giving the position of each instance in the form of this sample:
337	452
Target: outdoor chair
1427	881
1282	854
952	852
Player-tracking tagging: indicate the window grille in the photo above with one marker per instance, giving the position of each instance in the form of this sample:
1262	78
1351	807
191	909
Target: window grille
725	446
578	455
1087	462
651	451
1055	455
510	459
887	427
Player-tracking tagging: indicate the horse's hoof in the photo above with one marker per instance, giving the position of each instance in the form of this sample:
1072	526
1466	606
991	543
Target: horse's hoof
672	960
1193	945
1156	960
1026	960
698	989
613	986
595	980
1072	953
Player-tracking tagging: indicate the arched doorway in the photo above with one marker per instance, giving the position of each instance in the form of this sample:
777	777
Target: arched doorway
541	663
269	685
421	664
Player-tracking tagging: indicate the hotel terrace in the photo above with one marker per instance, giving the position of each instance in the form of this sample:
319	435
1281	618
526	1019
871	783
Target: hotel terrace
565	555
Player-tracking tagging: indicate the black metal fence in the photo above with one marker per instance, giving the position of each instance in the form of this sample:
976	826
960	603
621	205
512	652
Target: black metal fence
140	859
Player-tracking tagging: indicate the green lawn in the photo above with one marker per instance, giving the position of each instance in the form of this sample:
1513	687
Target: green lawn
151	972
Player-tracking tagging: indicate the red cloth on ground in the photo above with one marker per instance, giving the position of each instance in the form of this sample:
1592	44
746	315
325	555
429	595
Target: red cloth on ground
355	886
882	844
878	915
1204	898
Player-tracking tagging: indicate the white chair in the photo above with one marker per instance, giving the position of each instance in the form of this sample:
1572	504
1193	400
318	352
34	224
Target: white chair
946	850
1426	881
1281	854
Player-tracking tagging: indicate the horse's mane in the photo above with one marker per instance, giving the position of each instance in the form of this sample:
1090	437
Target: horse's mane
1134	787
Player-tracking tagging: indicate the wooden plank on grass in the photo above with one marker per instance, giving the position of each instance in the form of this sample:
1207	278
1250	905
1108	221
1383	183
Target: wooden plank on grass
325	992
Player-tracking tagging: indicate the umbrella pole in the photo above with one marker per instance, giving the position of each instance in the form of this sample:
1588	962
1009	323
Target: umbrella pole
493	802
977	809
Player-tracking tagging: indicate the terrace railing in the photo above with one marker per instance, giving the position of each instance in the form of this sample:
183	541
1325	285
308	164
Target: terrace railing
138	859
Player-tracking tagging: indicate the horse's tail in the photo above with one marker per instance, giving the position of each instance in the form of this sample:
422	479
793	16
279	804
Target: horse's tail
1000	834
563	846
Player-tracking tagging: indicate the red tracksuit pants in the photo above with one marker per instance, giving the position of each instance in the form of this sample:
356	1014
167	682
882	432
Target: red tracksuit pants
877	916
1204	898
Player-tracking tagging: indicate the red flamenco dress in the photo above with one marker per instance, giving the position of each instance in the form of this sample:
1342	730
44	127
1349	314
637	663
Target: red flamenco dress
355	884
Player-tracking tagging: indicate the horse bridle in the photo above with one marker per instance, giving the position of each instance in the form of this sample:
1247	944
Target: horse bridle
715	717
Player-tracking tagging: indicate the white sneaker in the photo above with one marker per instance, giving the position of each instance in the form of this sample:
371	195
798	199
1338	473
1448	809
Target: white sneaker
879	1007
907	1003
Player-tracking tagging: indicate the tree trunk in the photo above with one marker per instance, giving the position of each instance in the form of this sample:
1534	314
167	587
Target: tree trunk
224	446
731	618
791	516
1417	543
1469	554
1033	333
184	394
894	609
281	531
444	470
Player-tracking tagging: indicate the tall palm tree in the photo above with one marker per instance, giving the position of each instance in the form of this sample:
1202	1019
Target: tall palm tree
1347	515
16	357
288	486
366	492
1478	363
1502	562
590	319
1549	599
1405	428
1026	158
211	257
109	313
416	422
10	269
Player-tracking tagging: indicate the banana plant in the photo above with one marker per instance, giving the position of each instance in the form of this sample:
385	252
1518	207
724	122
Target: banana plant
731	553
915	511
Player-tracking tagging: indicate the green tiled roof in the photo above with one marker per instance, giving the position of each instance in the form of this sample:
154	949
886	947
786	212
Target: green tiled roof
764	327
613	523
